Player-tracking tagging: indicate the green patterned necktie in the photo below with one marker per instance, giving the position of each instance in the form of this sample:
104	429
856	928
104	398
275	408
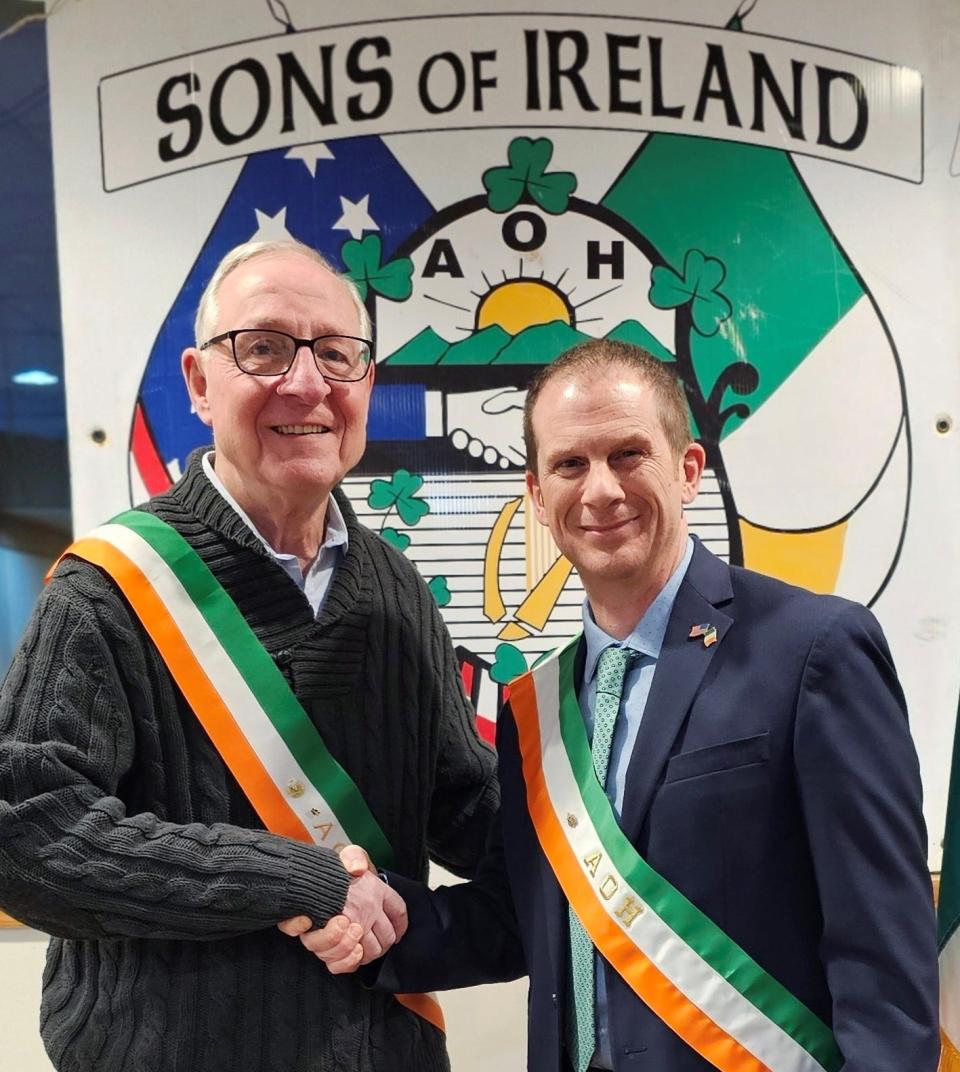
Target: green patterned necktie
581	1027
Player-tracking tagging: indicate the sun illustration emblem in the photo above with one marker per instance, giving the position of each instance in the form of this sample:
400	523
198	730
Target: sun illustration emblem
516	304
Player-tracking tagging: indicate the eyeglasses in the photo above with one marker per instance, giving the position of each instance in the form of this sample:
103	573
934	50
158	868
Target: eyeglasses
271	353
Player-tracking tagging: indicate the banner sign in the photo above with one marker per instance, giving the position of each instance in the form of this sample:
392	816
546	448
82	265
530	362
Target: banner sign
494	70
765	199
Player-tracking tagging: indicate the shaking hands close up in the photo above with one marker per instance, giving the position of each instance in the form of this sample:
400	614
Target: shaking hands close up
374	918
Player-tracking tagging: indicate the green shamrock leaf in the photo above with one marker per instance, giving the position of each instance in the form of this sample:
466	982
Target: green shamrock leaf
440	591
508	662
395	538
699	285
399	493
527	174
362	258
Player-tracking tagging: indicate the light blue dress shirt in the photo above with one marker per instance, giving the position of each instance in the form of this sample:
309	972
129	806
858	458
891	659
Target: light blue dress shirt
316	584
646	638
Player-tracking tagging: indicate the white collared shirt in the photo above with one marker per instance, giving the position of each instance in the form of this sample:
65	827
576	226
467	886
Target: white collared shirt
316	584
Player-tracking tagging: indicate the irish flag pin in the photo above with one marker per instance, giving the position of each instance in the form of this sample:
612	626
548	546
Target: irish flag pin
707	631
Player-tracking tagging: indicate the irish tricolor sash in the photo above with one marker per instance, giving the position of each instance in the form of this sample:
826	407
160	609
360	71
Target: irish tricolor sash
691	974
236	691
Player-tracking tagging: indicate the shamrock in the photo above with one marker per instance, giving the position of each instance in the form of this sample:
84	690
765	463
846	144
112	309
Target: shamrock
399	492
395	538
526	174
508	662
699	285
362	258
440	591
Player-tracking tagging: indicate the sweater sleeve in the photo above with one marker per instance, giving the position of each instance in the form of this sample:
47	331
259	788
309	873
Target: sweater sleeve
76	707
466	796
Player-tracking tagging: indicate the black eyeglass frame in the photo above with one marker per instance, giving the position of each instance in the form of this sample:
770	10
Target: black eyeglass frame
309	343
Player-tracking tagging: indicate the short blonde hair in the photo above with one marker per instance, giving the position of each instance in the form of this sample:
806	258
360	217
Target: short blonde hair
595	358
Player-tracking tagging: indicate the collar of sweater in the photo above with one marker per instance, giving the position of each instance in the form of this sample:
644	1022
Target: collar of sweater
193	504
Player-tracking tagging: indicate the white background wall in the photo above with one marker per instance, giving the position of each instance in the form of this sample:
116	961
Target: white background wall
21	952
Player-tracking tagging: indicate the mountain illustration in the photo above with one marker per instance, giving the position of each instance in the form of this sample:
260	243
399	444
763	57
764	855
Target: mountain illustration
425	348
634	332
536	345
479	349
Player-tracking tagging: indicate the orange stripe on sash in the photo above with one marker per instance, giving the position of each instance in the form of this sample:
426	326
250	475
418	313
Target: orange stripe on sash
426	1006
196	687
949	1055
212	712
637	970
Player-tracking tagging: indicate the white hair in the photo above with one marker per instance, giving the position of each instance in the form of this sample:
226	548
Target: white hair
207	311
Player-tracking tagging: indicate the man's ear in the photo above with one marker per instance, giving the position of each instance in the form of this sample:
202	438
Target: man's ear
191	363
692	463
536	496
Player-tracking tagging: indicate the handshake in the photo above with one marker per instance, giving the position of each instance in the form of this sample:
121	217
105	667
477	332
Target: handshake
374	918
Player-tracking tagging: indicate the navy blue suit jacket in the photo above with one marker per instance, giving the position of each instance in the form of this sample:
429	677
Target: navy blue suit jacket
773	782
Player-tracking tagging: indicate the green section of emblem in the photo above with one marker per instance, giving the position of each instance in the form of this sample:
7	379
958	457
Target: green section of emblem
634	332
537	345
439	590
395	538
698	284
425	348
399	493
540	344
363	260
788	285
527	174
479	349
509	662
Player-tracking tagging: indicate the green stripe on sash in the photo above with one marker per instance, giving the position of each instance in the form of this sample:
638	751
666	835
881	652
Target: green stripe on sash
265	681
699	932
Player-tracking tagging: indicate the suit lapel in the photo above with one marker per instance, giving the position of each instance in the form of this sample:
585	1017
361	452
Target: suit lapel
682	664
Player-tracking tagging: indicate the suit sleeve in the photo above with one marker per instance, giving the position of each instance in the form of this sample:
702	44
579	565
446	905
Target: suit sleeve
860	791
466	795
458	936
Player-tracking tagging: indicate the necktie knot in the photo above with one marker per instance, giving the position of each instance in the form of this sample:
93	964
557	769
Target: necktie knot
612	668
611	671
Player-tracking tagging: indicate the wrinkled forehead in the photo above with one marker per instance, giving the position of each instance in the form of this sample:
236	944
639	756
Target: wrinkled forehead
275	285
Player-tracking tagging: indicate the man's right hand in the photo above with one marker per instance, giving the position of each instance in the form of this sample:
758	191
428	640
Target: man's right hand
374	918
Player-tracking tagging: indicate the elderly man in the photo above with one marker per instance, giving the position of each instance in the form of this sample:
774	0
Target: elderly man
216	692
711	802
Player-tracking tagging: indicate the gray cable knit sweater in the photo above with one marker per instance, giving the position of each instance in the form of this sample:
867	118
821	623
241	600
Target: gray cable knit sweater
123	834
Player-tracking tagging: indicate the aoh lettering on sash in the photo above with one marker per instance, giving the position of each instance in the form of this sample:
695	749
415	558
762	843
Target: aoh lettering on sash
608	884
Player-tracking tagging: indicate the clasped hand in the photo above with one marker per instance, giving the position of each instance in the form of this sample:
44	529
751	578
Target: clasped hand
374	918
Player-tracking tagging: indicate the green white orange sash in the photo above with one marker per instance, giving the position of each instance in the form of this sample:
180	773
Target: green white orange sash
236	691
691	974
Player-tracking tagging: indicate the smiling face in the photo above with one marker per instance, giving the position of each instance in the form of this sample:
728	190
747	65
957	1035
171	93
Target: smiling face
280	440
608	484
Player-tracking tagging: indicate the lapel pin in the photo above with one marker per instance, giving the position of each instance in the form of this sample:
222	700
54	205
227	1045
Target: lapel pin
707	631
